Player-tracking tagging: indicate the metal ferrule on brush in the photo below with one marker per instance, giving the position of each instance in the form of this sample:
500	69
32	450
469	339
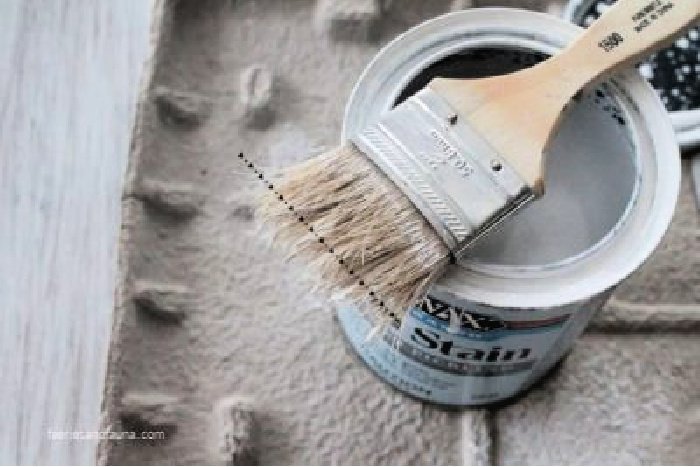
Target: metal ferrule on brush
449	172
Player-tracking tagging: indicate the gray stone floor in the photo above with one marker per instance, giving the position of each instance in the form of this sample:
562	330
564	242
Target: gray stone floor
219	345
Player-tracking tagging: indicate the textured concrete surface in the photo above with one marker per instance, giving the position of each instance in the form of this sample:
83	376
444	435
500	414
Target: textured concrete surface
615	400
249	329
247	326
233	431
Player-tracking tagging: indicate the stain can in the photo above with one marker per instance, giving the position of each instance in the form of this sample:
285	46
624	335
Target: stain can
501	318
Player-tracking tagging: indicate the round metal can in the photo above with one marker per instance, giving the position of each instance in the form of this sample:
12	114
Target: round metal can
502	317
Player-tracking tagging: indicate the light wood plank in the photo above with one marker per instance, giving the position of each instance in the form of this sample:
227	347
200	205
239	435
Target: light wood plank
69	76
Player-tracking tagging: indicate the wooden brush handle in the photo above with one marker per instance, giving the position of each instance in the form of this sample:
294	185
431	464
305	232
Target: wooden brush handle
518	113
625	34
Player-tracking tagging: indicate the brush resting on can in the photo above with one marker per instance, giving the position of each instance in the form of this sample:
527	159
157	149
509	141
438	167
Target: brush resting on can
379	217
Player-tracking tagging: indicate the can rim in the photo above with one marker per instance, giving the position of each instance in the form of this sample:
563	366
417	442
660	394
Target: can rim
611	262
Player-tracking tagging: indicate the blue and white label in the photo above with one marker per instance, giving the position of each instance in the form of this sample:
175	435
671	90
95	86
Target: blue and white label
453	356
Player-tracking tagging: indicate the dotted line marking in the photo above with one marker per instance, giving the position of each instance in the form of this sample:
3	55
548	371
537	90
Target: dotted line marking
329	249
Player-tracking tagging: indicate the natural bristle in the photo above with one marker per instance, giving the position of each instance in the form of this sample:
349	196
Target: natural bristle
357	230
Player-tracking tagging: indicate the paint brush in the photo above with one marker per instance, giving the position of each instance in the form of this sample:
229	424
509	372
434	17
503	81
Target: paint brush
381	216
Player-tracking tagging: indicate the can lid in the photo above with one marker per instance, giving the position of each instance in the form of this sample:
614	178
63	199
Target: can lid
674	72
